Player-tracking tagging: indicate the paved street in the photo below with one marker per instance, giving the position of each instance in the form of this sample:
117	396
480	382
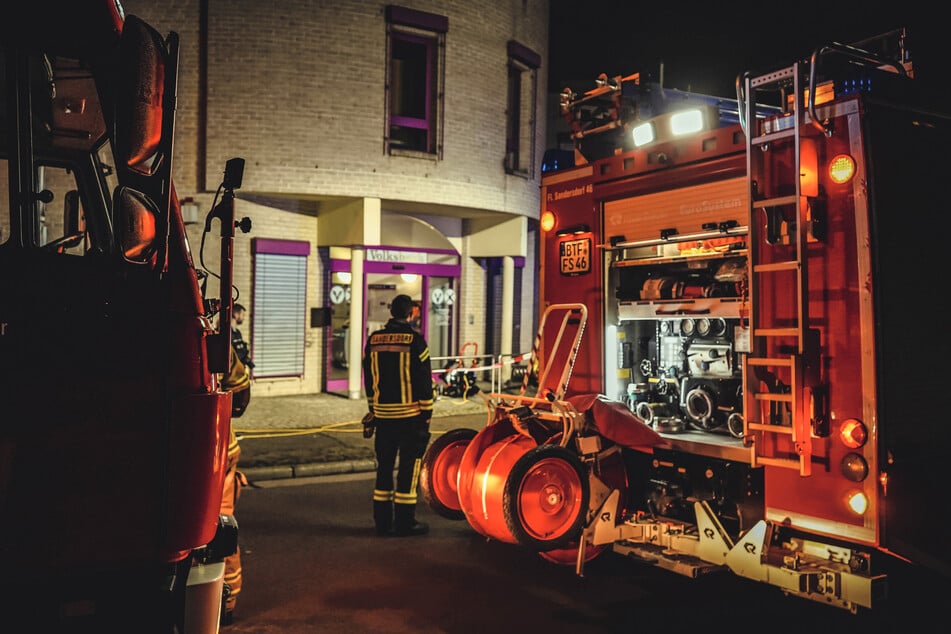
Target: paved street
312	563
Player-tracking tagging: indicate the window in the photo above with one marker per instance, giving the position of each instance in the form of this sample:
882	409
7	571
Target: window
520	109
56	221
278	311
416	43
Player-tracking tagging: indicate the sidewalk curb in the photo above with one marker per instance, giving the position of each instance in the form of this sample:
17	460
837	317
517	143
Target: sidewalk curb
257	474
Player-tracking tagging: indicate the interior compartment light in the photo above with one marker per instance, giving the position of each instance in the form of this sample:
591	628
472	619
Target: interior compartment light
643	134
854	467
857	502
547	220
686	122
809	168
853	433
841	168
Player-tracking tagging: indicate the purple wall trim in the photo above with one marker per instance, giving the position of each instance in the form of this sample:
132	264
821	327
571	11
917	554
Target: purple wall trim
410	249
374	266
524	54
443	270
418	19
280	247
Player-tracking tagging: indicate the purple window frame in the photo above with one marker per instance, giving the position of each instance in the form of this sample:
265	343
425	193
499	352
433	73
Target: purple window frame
415	122
430	30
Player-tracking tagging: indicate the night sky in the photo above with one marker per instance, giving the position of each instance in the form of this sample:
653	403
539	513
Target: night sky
704	51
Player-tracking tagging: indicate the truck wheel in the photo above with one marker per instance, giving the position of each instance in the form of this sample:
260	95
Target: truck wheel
546	498
439	473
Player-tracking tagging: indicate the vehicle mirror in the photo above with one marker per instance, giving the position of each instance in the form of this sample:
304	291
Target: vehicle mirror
137	220
141	94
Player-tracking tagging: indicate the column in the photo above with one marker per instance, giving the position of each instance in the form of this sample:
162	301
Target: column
508	307
357	329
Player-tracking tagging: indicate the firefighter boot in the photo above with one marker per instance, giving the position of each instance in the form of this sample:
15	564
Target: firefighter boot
227	607
383	518
406	524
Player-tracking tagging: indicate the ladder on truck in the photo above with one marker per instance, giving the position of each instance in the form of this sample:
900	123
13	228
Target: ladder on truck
801	392
768	211
557	361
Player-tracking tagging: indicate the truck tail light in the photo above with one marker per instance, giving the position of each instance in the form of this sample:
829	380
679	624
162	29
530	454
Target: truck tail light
841	168
853	433
547	221
854	467
857	502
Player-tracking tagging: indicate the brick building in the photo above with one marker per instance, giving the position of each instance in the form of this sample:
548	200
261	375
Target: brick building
390	148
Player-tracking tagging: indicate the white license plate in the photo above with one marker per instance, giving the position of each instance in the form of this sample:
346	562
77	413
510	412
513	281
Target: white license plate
575	256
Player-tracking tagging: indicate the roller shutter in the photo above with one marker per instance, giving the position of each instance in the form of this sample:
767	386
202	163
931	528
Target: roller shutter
279	312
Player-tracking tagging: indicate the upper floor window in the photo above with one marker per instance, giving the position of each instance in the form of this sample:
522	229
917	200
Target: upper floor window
416	44
520	109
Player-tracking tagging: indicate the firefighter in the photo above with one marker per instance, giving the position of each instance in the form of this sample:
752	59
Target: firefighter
238	343
238	382
397	376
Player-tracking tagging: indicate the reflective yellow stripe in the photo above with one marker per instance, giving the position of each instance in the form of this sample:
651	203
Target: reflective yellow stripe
405	498
375	375
382	496
406	383
410	498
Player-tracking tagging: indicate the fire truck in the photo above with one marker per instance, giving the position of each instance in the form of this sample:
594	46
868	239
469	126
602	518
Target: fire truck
114	425
741	363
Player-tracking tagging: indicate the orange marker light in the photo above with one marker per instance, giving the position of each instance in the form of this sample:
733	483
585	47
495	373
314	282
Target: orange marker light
853	433
841	168
547	221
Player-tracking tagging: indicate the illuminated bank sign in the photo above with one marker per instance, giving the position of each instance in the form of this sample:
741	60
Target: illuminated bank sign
392	255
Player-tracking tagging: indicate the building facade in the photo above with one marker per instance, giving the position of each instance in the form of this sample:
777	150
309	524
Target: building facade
390	148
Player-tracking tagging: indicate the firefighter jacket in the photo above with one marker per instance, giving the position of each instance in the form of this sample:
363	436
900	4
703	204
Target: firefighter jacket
397	372
238	382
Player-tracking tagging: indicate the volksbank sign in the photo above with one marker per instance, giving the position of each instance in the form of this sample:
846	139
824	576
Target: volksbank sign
388	255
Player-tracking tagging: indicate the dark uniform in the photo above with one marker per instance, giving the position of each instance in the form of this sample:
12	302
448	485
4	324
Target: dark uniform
397	375
241	348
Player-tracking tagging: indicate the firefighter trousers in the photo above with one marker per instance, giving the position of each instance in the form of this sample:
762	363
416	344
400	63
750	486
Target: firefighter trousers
234	482
405	439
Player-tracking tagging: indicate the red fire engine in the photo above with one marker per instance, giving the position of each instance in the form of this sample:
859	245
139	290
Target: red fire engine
114	426
746	374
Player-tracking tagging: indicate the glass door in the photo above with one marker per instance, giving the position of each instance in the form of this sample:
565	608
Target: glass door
439	312
382	288
340	332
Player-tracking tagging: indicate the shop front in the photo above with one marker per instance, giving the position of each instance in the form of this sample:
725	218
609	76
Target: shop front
429	276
